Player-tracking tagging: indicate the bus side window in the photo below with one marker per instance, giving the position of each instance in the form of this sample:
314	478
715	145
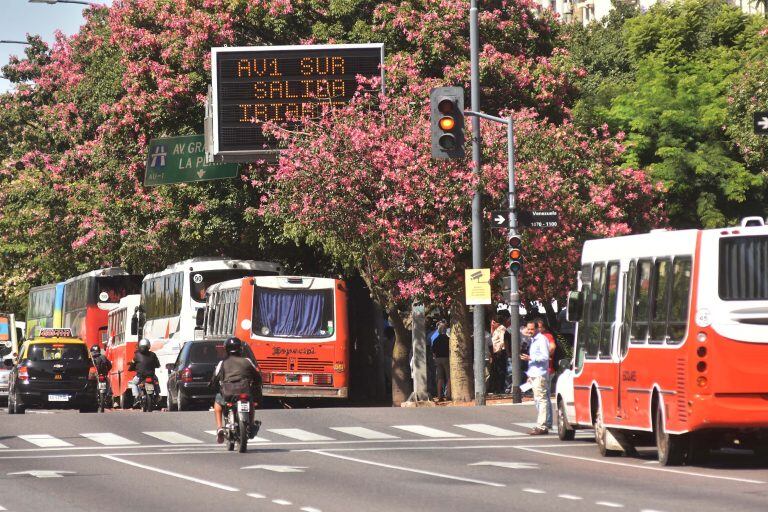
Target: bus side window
639	329
629	300
609	309
678	304
583	325
660	304
596	310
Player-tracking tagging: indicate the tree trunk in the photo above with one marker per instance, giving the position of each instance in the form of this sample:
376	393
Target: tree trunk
551	316
461	350
401	369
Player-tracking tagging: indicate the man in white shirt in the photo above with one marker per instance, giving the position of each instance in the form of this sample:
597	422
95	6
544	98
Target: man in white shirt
538	367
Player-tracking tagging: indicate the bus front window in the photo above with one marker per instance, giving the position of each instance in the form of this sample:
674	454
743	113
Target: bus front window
293	313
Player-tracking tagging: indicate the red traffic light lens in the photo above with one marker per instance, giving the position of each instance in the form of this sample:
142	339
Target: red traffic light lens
515	241
446	106
447	123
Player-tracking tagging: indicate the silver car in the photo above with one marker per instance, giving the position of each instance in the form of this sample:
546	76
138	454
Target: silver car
5	371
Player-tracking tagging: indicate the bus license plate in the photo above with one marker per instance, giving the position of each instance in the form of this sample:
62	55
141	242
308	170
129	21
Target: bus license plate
243	406
102	386
58	398
149	388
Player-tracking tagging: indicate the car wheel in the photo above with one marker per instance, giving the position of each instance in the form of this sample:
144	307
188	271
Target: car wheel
564	430
182	402
11	406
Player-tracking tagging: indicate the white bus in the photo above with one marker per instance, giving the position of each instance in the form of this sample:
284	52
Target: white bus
123	337
171	299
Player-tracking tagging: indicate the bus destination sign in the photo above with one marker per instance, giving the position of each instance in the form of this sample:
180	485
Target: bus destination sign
282	84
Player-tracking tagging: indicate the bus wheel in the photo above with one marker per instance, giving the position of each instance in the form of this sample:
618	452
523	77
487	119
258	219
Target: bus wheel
564	430
601	435
671	448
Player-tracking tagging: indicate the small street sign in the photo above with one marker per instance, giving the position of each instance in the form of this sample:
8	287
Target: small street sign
478	286
182	160
500	219
760	122
538	219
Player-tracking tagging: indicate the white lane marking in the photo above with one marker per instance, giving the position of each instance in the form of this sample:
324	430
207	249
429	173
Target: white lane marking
250	441
651	462
482	428
609	504
310	509
2	446
534	491
44	473
426	431
45	441
410	470
109	439
281	502
277	469
173	437
173	474
638	466
508	465
256	495
3	508
299	434
569	497
365	433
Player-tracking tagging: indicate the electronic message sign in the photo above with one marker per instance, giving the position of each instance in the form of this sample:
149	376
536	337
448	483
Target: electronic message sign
282	84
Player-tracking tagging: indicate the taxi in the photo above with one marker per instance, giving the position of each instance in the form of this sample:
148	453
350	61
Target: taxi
54	371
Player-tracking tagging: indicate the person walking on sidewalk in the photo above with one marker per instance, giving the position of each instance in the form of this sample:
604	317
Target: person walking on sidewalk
543	329
538	369
442	363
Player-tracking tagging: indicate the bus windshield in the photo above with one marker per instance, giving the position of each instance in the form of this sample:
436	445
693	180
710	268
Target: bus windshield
113	288
293	313
200	281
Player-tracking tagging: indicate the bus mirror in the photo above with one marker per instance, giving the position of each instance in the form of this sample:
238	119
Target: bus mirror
134	326
575	306
200	318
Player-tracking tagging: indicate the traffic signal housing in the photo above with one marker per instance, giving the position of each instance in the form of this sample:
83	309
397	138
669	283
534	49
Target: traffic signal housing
447	122
515	253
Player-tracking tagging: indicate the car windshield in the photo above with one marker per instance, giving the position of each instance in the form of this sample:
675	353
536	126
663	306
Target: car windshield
58	352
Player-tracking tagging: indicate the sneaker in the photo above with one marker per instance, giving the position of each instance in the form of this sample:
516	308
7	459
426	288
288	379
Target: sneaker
220	436
538	431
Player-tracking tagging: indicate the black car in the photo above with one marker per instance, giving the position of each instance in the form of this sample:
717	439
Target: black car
189	378
53	373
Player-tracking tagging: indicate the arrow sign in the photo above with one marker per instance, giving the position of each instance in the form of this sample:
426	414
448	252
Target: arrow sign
760	123
500	219
278	469
200	174
43	473
510	465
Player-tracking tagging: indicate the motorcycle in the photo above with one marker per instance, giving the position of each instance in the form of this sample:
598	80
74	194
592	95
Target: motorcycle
238	424
147	394
102	399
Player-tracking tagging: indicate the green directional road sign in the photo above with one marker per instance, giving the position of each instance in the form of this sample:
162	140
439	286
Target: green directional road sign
182	160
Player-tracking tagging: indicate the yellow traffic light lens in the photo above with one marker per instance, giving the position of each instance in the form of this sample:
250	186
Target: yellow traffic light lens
447	123
515	254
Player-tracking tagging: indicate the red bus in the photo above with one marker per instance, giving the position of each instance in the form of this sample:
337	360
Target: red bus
88	299
122	342
296	326
671	343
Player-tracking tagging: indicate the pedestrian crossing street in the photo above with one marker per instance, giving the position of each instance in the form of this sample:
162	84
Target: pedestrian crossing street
274	435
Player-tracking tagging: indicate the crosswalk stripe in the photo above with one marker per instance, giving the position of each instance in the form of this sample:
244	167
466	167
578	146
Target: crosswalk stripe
482	428
299	434
365	433
108	439
2	446
254	440
173	437
45	441
426	431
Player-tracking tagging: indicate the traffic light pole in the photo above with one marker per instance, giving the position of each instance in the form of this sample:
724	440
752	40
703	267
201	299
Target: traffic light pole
477	205
514	294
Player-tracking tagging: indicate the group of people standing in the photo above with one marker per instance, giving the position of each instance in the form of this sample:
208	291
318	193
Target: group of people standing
537	351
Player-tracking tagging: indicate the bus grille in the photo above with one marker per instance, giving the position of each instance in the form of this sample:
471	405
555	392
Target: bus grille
682	411
323	379
313	365
274	364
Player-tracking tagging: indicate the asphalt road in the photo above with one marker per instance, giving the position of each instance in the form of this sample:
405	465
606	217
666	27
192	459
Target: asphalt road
348	459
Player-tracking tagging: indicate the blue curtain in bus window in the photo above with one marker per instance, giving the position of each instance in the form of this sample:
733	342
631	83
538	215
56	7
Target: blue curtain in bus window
292	313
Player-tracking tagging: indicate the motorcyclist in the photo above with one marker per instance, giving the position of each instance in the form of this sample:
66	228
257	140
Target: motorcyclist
102	364
235	370
144	363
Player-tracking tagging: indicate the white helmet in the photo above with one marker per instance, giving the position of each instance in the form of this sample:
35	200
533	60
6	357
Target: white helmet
144	345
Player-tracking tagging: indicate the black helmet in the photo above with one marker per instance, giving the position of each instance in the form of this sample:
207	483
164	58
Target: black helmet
144	345
233	346
95	351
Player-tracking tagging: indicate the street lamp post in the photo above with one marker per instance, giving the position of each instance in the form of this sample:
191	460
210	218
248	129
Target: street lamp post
53	2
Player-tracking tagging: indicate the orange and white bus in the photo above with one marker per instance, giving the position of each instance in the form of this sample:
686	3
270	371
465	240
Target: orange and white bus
671	343
122	329
296	327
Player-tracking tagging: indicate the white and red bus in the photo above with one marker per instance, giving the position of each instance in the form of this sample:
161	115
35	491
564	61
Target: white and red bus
672	342
170	301
123	339
297	328
89	297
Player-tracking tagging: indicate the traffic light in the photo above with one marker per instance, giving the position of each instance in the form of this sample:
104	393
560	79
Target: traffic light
515	253
447	122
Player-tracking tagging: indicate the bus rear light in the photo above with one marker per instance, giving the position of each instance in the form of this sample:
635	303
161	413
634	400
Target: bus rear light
701	381
701	351
702	337
701	366
23	373
186	374
323	379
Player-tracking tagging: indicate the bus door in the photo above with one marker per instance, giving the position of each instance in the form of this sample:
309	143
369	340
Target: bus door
625	376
